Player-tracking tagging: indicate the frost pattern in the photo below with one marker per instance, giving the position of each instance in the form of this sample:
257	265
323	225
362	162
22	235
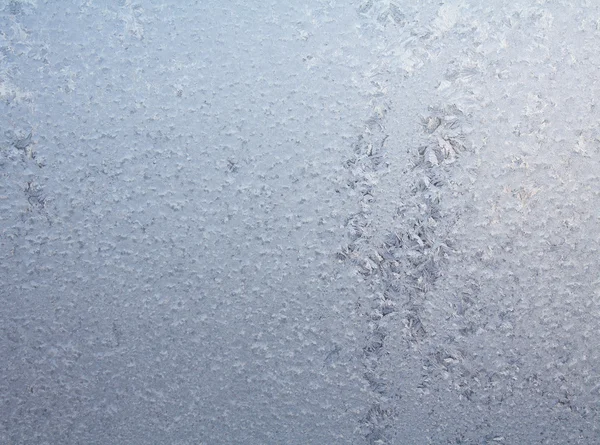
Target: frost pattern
301	222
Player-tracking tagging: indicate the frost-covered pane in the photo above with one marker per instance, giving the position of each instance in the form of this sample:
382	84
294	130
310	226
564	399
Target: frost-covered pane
369	222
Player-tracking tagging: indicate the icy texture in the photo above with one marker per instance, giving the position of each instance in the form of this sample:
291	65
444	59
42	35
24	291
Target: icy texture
324	223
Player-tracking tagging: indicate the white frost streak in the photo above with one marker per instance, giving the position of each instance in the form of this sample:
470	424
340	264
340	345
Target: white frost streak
447	17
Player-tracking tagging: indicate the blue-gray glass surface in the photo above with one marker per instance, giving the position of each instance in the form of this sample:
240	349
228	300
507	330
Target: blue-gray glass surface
312	222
